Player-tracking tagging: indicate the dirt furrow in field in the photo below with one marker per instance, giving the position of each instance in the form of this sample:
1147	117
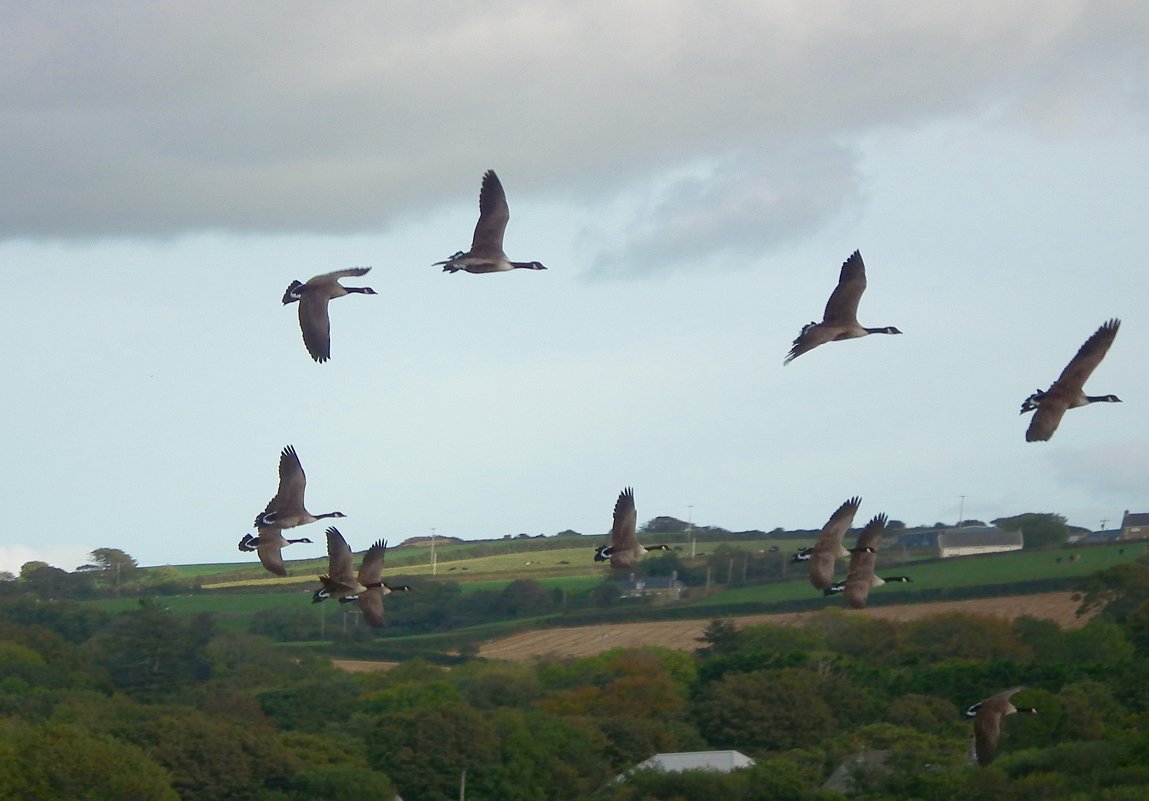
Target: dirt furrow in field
684	634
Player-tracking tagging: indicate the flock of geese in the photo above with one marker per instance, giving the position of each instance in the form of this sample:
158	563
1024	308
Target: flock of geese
839	322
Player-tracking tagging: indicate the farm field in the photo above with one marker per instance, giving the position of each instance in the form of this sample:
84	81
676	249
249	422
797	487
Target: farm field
235	602
683	635
1003	568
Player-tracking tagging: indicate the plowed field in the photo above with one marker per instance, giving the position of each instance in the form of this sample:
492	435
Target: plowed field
683	634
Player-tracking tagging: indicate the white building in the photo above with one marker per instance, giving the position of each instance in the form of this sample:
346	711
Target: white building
972	541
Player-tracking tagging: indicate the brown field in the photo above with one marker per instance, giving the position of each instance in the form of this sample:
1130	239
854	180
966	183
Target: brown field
362	665
683	635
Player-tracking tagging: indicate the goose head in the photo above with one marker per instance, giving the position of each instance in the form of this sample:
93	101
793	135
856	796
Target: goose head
320	595
602	554
397	587
529	265
660	547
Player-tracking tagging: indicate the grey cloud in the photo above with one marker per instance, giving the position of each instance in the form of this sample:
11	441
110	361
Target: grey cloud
170	118
745	205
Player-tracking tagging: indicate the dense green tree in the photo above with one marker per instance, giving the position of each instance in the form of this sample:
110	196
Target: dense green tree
425	750
764	710
1040	530
151	652
64	763
111	568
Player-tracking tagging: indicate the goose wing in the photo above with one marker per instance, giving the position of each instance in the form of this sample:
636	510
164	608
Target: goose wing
622	536
333	277
871	536
339	560
863	558
371	568
828	546
315	324
987	724
270	551
292	483
1088	356
493	215
842	307
371	605
860	579
1047	418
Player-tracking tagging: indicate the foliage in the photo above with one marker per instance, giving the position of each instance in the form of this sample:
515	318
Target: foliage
1040	530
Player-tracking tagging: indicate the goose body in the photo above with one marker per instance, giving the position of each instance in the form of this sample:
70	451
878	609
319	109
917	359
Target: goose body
987	717
486	254
624	548
840	319
367	587
269	546
312	297
286	509
828	547
1068	392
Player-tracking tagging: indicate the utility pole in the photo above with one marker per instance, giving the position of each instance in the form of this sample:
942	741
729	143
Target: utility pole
434	562
1104	520
961	510
690	527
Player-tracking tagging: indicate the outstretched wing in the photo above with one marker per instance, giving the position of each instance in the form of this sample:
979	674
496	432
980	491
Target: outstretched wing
371	568
1088	356
493	215
622	536
339	558
842	307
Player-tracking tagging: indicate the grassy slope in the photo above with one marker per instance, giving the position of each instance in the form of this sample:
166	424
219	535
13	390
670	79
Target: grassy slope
234	606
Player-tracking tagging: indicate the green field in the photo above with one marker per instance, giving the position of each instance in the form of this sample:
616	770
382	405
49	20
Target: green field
1005	568
234	604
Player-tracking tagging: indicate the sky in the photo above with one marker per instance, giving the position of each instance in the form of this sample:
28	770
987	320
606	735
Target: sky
692	174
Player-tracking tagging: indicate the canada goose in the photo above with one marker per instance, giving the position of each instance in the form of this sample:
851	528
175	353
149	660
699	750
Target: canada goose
624	548
268	546
1067	391
486	254
286	510
840	320
313	297
987	717
863	556
803	554
829	548
368	588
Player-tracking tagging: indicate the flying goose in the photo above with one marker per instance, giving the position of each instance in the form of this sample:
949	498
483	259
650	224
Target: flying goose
828	546
624	548
268	545
486	254
840	320
368	588
313	297
803	554
863	556
286	509
987	717
1067	391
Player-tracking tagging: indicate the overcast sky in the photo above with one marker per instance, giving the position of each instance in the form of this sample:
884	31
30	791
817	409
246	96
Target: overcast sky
692	174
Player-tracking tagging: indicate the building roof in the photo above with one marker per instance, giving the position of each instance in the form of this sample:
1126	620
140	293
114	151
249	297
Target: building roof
978	537
1135	519
723	761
